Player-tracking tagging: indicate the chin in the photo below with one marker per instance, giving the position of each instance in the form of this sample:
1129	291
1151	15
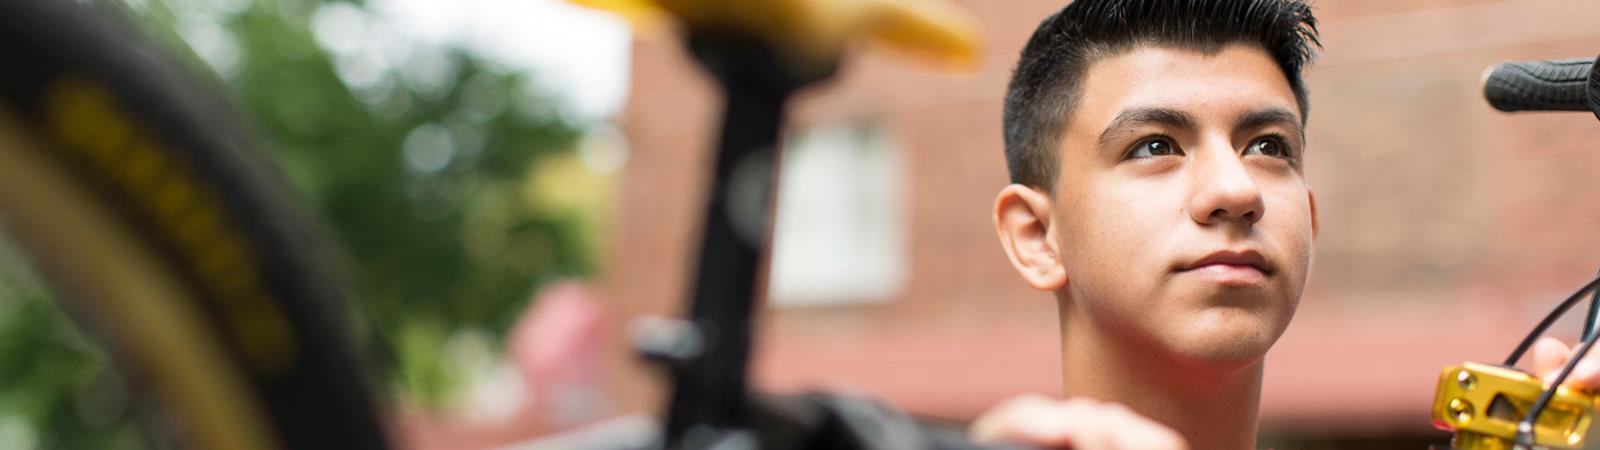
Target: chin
1227	337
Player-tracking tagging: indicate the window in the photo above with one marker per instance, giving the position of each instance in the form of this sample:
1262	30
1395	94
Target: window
839	232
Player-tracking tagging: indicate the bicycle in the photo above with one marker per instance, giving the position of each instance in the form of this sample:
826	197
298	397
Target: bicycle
165	236
1499	406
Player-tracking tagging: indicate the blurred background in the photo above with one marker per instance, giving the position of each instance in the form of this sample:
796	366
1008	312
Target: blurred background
471	157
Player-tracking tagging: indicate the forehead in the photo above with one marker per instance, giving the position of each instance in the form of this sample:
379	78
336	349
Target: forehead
1212	86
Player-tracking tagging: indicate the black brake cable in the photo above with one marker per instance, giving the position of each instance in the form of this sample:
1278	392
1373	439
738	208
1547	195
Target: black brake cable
1591	323
1525	434
1548	321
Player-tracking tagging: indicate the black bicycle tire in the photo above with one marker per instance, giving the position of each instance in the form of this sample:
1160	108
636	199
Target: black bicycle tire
250	264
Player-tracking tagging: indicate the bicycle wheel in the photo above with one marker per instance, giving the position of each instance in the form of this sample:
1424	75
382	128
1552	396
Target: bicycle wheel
141	204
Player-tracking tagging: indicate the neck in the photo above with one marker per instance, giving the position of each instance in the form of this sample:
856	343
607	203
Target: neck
1214	408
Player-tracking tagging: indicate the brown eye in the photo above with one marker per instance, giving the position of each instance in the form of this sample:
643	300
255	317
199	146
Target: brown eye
1153	147
1273	147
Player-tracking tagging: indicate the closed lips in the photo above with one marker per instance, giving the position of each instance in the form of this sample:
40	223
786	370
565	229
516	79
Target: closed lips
1243	258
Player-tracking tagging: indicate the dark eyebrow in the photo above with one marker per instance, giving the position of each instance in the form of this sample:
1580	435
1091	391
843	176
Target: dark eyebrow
1269	117
1133	118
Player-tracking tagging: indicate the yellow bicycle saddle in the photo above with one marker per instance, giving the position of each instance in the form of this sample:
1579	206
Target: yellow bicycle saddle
817	31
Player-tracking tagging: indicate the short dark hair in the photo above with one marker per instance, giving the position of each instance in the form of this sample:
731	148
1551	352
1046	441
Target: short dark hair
1044	90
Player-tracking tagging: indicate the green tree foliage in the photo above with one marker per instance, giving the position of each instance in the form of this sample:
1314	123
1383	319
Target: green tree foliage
417	167
420	184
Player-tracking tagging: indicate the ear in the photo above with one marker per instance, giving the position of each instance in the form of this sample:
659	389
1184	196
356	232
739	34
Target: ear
1314	225
1022	219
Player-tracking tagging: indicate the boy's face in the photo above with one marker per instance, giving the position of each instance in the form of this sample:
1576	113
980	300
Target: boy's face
1182	217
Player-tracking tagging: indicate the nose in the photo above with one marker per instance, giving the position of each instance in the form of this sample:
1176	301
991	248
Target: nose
1223	190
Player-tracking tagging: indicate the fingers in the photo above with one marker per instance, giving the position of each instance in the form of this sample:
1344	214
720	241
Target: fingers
1147	435
1080	424
1586	375
1016	420
1550	355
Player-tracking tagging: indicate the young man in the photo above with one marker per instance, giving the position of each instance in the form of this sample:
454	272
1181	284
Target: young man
1157	151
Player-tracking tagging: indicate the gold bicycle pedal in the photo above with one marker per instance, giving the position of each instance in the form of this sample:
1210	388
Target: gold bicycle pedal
1482	404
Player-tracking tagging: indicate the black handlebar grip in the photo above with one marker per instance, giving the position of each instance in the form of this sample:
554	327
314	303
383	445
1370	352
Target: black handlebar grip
1559	85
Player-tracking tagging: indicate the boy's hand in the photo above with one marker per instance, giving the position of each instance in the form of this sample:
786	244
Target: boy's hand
1549	355
1079	424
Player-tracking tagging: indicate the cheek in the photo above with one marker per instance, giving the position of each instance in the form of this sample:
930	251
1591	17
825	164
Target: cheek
1137	221
1291	230
1095	226
1112	239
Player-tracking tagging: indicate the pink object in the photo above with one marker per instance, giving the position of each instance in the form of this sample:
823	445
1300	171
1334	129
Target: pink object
559	345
